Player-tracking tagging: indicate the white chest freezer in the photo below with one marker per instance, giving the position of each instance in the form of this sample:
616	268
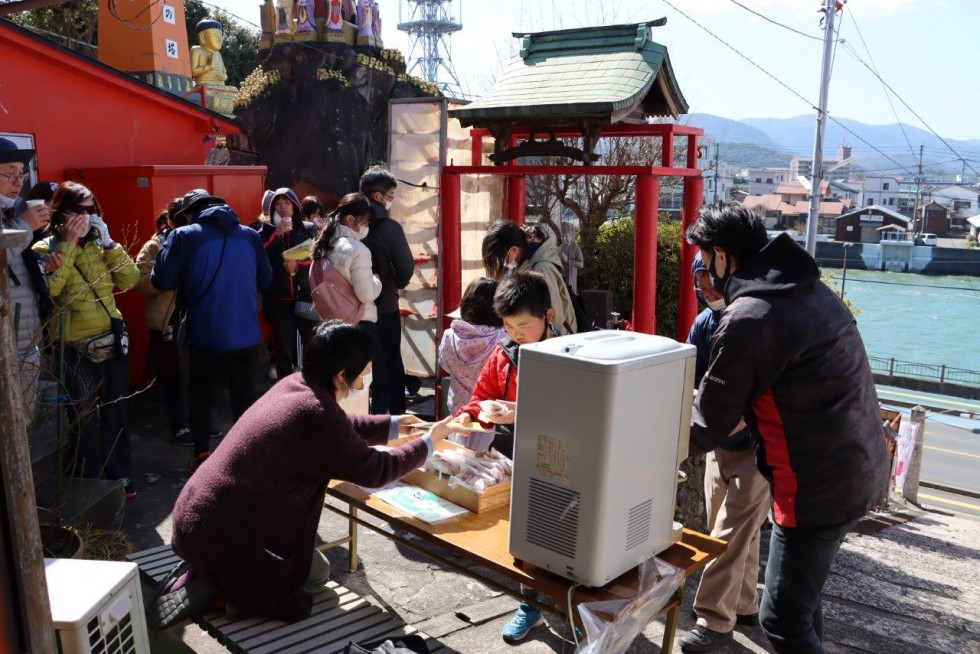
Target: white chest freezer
96	607
603	420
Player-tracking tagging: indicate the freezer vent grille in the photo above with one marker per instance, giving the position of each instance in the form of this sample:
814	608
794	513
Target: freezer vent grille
117	639
553	518
638	524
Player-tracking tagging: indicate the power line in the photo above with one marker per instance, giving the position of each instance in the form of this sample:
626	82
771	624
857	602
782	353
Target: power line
854	54
784	85
884	90
777	23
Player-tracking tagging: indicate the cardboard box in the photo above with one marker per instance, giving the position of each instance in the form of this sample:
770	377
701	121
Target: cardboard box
492	498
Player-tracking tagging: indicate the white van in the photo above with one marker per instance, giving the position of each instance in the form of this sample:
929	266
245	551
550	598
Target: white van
927	239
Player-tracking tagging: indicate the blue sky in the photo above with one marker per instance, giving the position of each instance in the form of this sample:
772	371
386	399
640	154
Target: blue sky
924	49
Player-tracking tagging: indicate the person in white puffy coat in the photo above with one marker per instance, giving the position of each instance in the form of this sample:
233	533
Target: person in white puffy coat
340	244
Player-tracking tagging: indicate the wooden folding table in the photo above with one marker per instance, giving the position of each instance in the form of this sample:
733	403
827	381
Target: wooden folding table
483	539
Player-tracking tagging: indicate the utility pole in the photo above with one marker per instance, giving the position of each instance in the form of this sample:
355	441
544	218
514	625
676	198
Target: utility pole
715	200
843	281
830	11
918	196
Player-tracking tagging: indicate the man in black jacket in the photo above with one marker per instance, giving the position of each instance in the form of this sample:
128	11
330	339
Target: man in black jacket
394	264
788	357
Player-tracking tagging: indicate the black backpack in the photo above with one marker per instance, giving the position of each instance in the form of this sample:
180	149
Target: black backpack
583	320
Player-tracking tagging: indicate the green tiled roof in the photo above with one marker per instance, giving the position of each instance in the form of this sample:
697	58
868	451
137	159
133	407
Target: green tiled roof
600	73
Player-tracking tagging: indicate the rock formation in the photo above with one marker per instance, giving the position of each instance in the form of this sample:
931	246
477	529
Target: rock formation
316	114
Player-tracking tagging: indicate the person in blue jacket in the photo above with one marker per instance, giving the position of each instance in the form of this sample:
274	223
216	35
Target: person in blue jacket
219	269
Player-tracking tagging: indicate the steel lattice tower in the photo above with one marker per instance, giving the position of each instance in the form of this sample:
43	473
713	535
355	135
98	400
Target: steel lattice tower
429	25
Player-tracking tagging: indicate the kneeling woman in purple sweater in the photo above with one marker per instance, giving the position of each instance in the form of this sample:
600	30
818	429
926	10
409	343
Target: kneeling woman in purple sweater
245	524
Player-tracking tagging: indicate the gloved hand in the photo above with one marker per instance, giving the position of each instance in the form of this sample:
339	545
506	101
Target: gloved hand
104	239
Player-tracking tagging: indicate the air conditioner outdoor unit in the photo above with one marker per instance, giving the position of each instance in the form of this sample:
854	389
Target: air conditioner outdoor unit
97	607
603	420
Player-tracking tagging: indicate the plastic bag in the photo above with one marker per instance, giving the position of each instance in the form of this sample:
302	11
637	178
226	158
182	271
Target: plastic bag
613	625
476	471
908	432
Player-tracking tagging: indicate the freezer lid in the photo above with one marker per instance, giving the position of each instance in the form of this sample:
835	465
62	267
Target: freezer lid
610	347
78	589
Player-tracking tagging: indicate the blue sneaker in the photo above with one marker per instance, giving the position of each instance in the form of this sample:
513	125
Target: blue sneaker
525	619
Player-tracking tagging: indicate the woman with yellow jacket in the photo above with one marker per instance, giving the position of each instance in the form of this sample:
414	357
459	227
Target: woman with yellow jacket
87	320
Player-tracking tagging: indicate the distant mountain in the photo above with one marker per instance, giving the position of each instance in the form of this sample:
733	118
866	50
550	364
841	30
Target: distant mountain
774	141
725	130
741	145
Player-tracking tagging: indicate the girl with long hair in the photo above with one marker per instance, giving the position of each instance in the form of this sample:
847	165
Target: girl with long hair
339	250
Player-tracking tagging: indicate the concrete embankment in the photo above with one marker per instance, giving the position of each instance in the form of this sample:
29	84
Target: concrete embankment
900	257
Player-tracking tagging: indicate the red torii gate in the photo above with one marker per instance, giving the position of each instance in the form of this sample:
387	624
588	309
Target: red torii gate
647	201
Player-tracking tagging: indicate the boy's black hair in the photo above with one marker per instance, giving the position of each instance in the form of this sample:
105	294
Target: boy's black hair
477	305
377	179
737	230
524	290
336	346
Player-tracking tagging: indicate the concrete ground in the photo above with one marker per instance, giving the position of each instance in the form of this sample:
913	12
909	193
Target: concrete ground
906	584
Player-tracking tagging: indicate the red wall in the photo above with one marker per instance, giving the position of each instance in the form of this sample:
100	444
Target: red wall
136	147
132	197
82	115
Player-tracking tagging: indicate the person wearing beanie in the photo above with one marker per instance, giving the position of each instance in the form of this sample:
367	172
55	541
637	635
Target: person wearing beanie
290	279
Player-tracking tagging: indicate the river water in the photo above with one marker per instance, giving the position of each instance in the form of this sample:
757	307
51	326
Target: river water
922	318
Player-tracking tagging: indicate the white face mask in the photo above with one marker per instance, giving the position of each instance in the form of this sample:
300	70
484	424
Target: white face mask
363	232
358	392
388	205
717	305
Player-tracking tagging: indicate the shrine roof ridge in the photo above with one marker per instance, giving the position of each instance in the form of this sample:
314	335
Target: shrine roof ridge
604	75
605	29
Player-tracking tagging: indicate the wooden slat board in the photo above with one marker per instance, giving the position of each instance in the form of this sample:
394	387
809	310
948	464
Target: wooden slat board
338	617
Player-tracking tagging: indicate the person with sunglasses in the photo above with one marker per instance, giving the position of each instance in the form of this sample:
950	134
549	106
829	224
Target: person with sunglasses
87	320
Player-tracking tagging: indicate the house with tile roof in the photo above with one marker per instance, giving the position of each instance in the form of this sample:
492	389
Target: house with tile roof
864	224
795	190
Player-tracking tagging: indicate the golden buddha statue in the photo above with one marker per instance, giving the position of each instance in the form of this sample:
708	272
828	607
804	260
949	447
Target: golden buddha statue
207	66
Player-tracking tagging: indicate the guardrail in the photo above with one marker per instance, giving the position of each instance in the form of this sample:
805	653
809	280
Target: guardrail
944	373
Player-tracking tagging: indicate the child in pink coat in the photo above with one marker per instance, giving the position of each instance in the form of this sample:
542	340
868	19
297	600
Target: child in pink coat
470	341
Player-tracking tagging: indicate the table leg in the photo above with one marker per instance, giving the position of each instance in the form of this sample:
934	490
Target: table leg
673	616
352	532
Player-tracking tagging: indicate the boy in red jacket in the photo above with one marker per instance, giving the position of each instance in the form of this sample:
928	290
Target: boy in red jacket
523	302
